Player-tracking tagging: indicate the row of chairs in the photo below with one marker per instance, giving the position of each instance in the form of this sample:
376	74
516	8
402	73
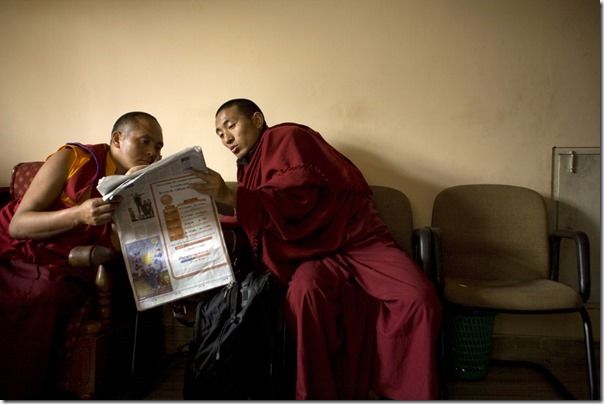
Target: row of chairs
85	344
488	249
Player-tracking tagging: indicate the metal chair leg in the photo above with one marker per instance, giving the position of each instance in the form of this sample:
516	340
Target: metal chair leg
134	344
589	355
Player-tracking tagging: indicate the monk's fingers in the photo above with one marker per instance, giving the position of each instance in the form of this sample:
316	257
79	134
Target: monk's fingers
208	175
101	207
201	187
211	172
200	173
102	218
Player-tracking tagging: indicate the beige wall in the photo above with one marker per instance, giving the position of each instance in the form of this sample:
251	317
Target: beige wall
421	94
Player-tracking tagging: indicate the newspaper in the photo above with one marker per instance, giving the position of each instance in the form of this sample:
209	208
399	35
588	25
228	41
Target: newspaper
170	234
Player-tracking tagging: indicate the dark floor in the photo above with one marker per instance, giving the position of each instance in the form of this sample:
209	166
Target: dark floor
564	358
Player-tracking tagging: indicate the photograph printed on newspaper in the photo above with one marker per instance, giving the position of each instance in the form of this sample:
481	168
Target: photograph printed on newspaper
170	234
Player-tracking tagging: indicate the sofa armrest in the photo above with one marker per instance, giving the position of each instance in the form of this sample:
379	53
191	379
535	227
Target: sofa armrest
90	256
98	257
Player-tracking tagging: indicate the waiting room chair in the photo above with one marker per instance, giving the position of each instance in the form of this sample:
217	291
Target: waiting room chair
395	210
494	253
86	342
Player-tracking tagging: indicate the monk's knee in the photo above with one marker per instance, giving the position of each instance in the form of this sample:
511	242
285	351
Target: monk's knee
312	281
428	306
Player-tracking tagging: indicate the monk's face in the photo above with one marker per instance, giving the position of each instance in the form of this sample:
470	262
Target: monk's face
238	132
137	144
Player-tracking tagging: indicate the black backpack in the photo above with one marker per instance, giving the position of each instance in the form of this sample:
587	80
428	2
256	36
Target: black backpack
240	346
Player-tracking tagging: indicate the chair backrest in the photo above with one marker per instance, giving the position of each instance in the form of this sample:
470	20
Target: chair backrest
492	231
395	210
21	177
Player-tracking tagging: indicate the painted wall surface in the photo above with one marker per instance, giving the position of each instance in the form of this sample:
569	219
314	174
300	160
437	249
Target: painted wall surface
420	94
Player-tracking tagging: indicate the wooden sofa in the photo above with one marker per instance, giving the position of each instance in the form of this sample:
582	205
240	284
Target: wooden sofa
86	342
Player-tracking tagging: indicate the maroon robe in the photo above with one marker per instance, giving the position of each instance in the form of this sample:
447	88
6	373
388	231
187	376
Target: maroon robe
363	314
40	293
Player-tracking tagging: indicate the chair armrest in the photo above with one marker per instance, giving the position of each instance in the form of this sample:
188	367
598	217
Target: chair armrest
582	253
422	250
426	249
225	210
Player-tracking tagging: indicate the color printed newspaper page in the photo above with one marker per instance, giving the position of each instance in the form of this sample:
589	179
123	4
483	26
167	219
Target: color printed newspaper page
170	234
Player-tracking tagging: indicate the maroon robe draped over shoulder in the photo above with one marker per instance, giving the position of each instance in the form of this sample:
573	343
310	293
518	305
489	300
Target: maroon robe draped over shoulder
363	314
39	292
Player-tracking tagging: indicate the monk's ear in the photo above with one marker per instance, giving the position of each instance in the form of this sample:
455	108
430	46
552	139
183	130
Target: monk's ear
258	120
116	138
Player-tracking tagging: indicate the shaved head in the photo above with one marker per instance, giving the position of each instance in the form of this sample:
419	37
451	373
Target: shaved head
132	118
246	107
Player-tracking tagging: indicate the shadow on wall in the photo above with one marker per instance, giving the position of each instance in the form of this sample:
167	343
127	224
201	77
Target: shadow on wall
421	194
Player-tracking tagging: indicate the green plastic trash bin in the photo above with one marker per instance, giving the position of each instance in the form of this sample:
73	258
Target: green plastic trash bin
470	344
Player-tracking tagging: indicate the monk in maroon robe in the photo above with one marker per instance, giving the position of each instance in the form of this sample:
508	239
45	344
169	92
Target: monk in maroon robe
363	315
39	291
